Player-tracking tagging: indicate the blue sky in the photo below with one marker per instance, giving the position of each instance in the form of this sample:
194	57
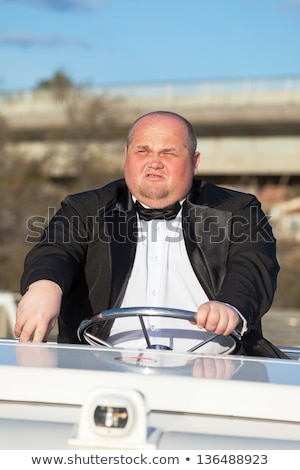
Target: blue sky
109	42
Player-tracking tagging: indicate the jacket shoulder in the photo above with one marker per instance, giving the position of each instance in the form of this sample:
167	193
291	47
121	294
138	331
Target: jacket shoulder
95	199
206	193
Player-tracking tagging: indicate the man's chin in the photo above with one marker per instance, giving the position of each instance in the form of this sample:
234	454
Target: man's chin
155	193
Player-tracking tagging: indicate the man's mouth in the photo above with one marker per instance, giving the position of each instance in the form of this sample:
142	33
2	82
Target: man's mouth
154	176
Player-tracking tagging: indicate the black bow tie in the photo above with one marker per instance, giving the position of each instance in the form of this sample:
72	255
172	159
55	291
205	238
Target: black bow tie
167	213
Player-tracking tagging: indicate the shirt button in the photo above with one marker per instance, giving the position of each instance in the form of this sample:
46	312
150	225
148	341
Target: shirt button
153	293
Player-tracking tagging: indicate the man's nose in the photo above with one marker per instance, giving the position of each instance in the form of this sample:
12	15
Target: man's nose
155	160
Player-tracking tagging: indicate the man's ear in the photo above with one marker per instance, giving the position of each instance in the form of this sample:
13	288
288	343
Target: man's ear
196	161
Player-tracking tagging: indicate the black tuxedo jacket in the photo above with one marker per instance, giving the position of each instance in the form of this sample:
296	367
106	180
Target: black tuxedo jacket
89	247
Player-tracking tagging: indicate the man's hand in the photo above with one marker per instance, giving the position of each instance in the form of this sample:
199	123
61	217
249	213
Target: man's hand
217	317
37	311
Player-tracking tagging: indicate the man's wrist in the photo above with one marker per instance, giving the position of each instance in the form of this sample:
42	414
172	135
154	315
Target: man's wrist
241	329
44	283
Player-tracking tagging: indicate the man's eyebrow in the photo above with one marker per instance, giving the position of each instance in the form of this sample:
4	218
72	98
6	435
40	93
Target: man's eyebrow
164	149
169	149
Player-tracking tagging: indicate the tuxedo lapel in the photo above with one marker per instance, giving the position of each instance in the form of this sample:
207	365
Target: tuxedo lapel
206	232
122	228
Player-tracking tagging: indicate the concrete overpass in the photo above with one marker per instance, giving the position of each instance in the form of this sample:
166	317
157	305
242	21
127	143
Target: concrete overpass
247	129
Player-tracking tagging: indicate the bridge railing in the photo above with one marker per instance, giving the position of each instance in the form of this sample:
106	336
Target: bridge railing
231	92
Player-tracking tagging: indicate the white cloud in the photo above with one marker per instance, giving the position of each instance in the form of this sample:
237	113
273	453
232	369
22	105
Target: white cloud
20	39
62	5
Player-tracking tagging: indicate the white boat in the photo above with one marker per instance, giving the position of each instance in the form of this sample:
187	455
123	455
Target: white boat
55	396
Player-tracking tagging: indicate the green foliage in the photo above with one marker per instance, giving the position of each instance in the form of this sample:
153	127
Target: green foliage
59	81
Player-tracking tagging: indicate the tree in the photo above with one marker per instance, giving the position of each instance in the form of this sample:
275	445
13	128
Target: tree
60	84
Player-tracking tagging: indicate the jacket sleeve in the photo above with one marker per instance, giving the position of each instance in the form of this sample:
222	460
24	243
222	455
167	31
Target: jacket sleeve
252	267
60	254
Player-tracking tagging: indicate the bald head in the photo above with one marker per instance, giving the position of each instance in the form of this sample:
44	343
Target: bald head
191	139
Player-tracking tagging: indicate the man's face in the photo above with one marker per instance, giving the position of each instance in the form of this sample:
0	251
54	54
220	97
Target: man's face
158	167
